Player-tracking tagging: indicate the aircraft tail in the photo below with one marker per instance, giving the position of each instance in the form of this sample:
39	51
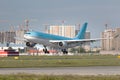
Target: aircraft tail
81	33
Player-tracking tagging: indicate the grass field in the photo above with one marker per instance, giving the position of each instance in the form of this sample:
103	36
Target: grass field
57	77
59	61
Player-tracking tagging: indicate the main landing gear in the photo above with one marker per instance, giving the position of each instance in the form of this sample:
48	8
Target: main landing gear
64	51
45	50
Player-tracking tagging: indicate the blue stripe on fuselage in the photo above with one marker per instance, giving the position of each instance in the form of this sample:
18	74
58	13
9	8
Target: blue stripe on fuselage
46	36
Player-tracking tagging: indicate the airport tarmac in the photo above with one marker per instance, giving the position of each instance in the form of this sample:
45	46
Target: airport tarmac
98	70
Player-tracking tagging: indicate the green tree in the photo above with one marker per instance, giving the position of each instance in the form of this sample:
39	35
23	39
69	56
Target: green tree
81	50
73	50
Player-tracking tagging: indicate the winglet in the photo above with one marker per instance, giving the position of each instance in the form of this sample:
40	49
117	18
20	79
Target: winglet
81	33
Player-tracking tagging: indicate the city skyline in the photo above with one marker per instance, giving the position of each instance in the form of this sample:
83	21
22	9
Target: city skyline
42	12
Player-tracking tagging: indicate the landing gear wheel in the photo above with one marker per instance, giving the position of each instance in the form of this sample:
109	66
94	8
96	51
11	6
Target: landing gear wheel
64	51
45	51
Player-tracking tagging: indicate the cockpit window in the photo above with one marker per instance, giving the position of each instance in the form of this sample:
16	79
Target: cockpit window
27	33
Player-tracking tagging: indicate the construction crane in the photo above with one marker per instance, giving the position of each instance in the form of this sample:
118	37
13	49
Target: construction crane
27	24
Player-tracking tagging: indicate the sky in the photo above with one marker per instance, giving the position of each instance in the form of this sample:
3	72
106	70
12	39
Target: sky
41	12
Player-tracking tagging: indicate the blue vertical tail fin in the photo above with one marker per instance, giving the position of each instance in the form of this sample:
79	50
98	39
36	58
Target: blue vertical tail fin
81	33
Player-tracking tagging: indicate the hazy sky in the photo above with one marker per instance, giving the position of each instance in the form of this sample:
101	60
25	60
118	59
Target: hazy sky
96	12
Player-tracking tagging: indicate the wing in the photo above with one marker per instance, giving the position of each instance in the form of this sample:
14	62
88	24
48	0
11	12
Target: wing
76	41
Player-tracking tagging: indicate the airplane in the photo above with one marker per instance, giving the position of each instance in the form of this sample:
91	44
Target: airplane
34	37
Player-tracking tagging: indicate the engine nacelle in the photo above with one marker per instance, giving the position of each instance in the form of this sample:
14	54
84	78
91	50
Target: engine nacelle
62	44
29	44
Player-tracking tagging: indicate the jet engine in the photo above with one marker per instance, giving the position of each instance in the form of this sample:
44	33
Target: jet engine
29	44
61	44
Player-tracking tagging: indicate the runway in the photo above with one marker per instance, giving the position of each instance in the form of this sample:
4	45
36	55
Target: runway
99	70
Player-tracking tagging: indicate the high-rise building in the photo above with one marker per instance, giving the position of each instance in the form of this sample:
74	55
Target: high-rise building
63	30
112	39
107	43
2	37
7	37
116	38
20	34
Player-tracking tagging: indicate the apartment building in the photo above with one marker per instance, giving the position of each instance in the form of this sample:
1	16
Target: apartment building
112	39
63	30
